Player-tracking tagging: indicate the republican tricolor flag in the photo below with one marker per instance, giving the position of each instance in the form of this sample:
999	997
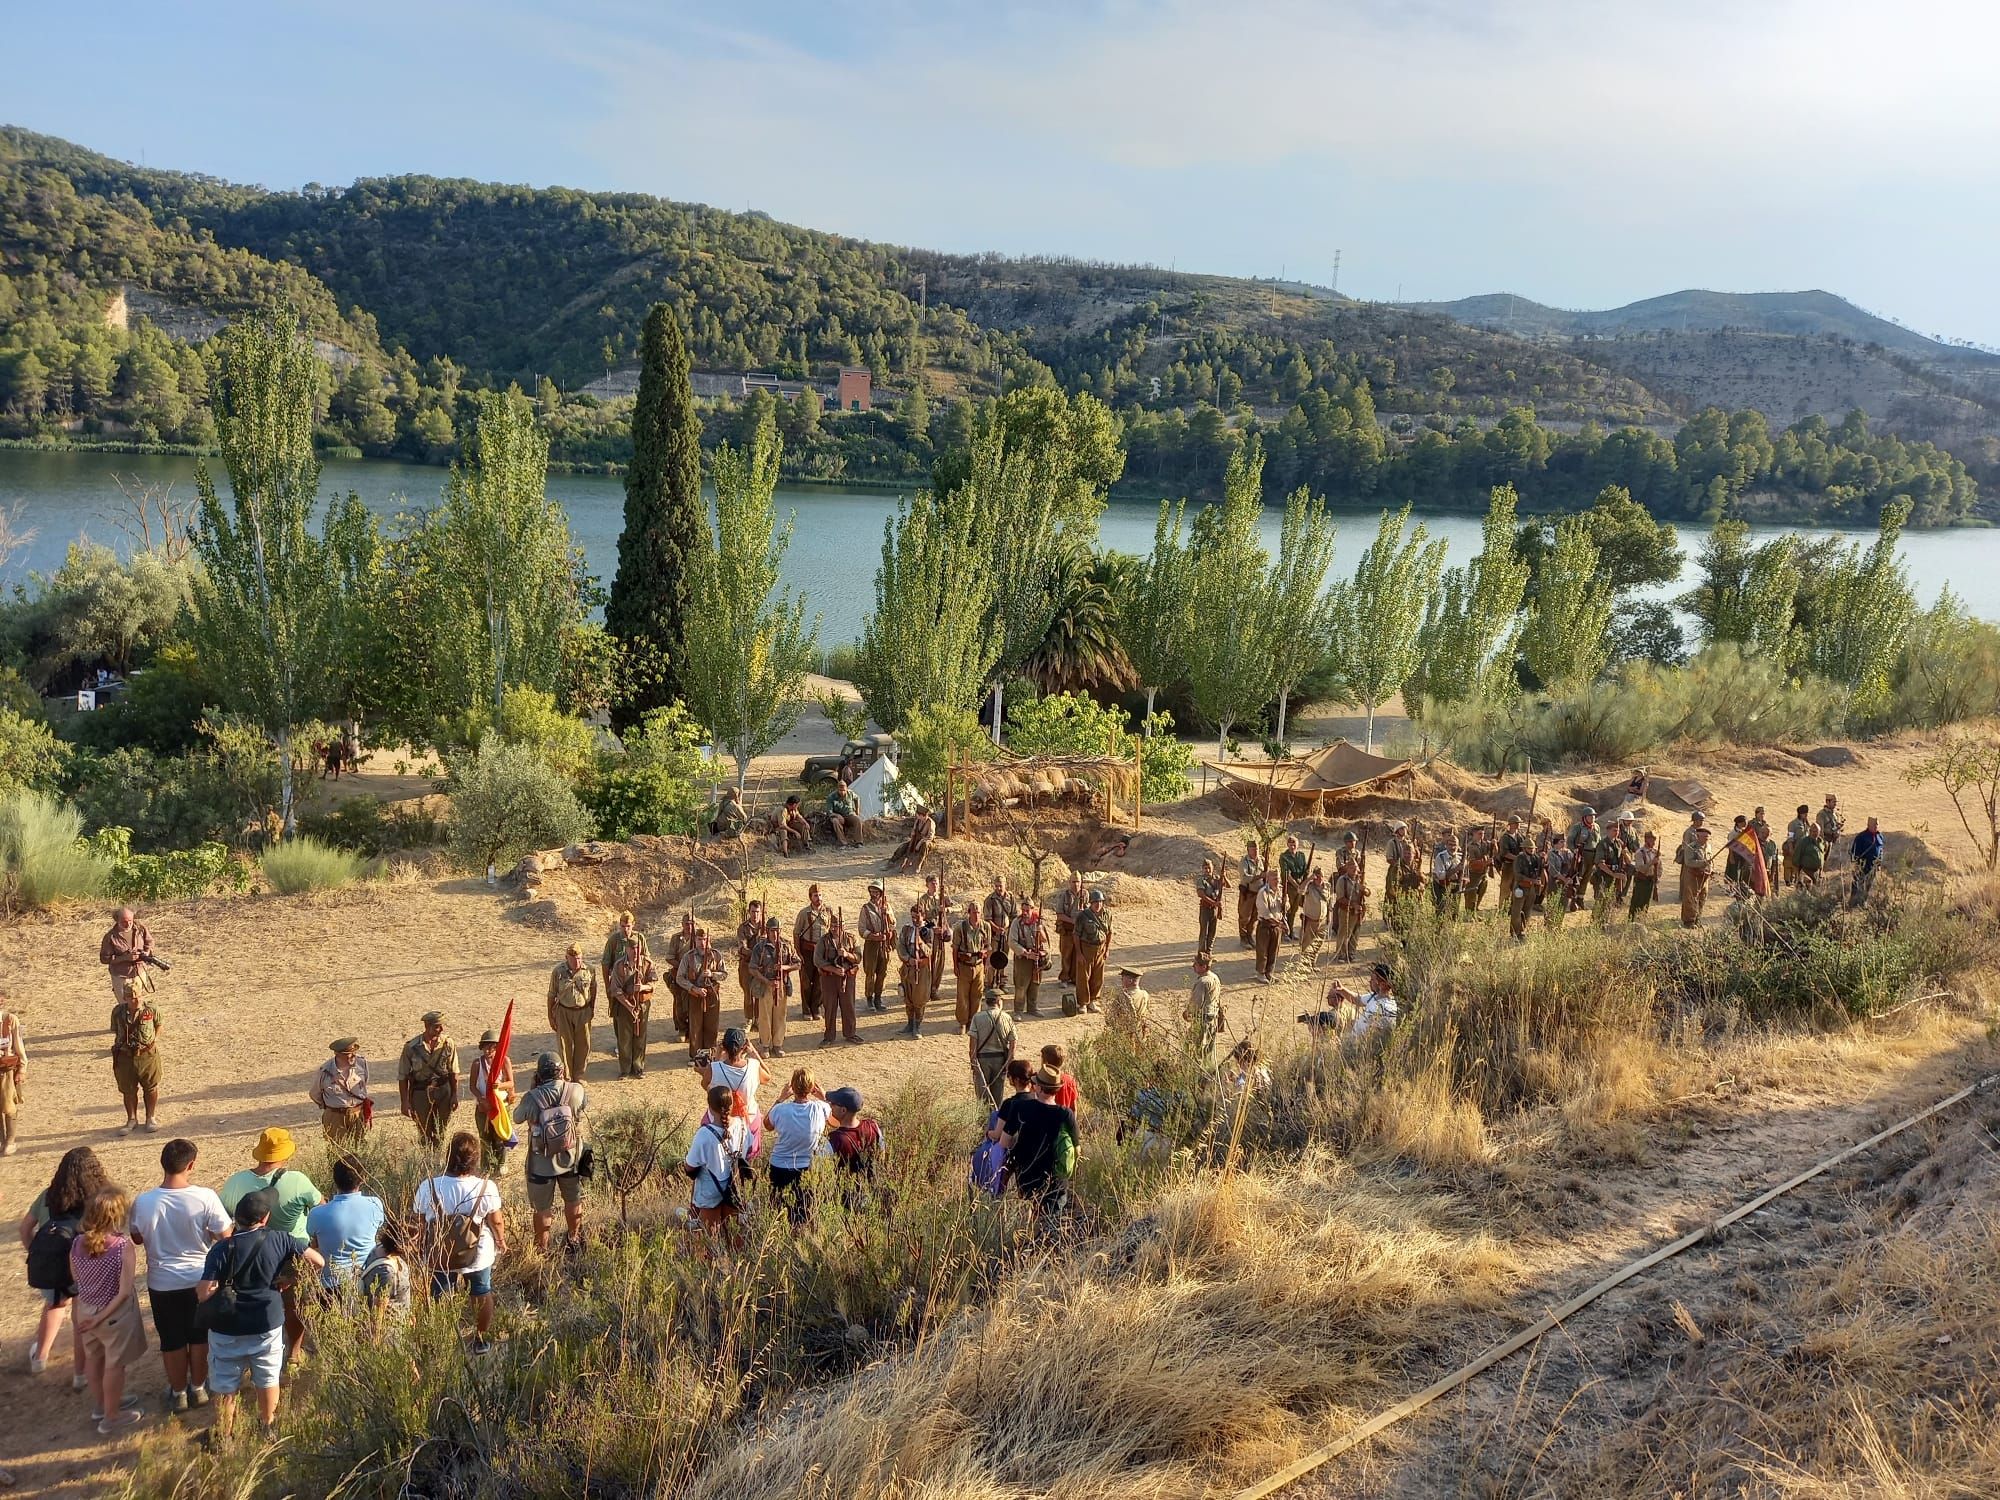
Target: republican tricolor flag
1746	843
499	1115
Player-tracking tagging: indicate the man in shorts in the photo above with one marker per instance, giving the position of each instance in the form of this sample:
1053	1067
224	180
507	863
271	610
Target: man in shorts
250	1341
176	1223
553	1112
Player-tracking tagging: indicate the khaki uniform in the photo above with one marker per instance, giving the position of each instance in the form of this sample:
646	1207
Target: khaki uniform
1511	845
1696	866
1208	910
1027	947
679	946
1270	928
1125	1010
492	1152
992	1032
13	1057
629	990
1531	873
432	1074
769	961
837	958
938	913
878	932
1313	908
1293	865
700	977
1249	878
1348	904
971	943
1066	908
1204	1013
342	1097
999	911
1645	881
1478	870
913	954
572	1007
1093	942
120	953
135	1051
748	936
807	929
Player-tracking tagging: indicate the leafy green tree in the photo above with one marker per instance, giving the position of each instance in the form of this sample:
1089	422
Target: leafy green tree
1465	649
1306	612
1233	634
30	755
265	604
664	513
933	737
659	784
505	801
507	566
1861	610
1634	549
749	648
1949	668
930	641
1747	595
1381	613
1565	641
1156	609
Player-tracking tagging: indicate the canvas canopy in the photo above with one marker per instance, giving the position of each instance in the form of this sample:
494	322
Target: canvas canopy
873	792
1309	783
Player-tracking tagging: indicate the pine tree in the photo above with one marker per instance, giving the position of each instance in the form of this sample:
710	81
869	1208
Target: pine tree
664	518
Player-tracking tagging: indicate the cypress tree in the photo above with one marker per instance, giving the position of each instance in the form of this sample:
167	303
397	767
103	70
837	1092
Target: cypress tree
664	521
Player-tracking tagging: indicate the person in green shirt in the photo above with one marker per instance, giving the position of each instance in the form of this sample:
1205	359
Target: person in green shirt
294	1196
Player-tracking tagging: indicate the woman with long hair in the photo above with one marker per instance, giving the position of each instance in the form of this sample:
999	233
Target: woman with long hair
104	1264
798	1124
78	1176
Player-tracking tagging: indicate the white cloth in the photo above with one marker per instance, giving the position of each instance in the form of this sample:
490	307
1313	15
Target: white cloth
177	1225
462	1197
801	1129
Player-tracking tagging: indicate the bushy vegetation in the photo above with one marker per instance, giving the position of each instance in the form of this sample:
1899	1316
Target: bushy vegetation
507	800
302	864
1072	724
175	875
43	858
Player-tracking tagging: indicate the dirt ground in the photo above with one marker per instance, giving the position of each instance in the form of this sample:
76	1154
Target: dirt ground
261	984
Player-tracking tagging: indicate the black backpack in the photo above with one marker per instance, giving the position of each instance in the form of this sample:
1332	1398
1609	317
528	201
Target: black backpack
48	1255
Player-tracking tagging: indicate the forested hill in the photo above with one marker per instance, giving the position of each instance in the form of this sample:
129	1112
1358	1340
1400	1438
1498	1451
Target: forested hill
422	290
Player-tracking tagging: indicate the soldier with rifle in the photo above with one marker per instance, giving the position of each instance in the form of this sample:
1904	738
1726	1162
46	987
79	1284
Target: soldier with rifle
1447	874
1478	866
1270	925
1028	941
971	948
678	947
838	960
1509	849
1249	881
999	909
749	932
772	964
914	950
1208	906
1292	867
1531	876
629	986
878	933
937	918
1314	908
1645	877
807	929
1350	904
700	976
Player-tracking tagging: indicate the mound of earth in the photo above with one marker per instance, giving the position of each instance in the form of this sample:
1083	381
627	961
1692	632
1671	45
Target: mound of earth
1831	756
648	876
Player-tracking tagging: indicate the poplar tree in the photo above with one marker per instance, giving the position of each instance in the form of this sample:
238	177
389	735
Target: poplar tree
1156	616
1382	611
664	517
1862	608
1565	640
749	647
1465	649
929	641
1233	631
1305	611
265	611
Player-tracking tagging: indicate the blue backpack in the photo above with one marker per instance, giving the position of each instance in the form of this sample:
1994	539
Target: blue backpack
989	1163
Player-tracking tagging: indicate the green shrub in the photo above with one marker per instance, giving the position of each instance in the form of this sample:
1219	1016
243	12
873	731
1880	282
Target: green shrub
173	801
507	800
304	864
932	739
161	710
156	877
530	717
1166	763
30	754
659	783
370	828
43	856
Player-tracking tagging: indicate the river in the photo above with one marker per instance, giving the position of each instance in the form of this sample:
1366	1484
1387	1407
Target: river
836	547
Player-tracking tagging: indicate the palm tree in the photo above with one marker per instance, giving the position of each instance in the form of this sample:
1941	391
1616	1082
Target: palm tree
1080	653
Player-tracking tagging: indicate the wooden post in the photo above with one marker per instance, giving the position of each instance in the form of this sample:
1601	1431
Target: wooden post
1138	782
950	799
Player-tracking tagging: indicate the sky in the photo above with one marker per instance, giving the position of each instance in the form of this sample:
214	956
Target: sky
1584	153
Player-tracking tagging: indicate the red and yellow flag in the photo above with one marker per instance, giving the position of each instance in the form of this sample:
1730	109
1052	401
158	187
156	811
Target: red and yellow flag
1746	843
499	1116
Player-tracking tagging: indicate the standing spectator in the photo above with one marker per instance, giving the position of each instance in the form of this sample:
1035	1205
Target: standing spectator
1867	854
856	1139
343	1228
715	1162
462	1214
492	1145
175	1223
553	1112
797	1125
46	1230
103	1266
1055	1056
13	1069
1042	1147
293	1196
247	1335
135	1054
340	1089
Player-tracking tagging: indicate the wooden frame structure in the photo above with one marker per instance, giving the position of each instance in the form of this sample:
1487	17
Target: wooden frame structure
1113	774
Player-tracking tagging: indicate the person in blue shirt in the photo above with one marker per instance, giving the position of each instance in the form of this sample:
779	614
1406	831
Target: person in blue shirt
1867	854
343	1228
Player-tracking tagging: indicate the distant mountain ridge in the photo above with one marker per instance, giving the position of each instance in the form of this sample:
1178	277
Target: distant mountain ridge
1805	314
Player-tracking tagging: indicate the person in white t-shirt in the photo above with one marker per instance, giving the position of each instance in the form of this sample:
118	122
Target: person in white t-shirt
719	1146
176	1223
797	1125
461	1194
1378	1007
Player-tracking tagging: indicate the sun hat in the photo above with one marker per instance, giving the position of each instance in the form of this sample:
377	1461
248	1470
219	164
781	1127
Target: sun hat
274	1145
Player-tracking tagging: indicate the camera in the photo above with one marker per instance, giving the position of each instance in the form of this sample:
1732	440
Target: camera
156	962
700	1059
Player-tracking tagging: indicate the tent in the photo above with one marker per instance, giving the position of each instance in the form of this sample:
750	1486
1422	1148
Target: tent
877	798
1293	788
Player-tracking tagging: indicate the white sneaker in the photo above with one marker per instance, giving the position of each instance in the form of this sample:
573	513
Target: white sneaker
36	1364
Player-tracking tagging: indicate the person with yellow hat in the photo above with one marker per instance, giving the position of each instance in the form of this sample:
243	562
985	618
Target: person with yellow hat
293	1196
340	1090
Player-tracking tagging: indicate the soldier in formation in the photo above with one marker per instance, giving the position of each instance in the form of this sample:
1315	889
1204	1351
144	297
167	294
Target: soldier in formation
1350	904
999	909
1093	945
628	987
1203	1012
699	984
914	950
1028	947
1292	869
772	964
989	1044
838	959
1314	907
1270	929
1208	905
808	927
877	926
572	1007
1249	881
971	949
135	1052
427	1079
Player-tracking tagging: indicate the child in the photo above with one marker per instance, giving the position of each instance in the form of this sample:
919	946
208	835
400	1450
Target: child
1053	1056
856	1139
385	1275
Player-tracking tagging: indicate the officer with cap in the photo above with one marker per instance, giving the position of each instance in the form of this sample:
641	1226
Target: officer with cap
427	1079
341	1091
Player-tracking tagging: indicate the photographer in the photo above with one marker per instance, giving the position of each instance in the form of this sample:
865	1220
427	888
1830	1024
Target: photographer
127	951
